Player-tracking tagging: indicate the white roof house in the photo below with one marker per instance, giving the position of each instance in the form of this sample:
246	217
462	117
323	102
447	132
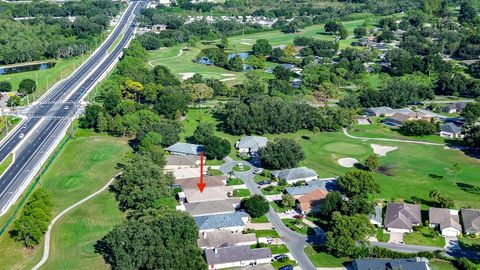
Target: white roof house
296	174
251	144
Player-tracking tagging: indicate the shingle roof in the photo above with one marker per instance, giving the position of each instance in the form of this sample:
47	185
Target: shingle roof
208	194
295	173
182	160
471	220
224	238
390	264
398	118
252	142
444	218
312	199
300	190
235	254
377	215
328	185
450	128
388	110
211	207
210	181
220	221
185	148
402	216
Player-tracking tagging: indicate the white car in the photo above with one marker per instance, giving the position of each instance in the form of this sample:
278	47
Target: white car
65	108
21	136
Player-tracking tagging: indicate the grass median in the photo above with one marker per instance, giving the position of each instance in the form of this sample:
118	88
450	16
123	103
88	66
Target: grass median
6	163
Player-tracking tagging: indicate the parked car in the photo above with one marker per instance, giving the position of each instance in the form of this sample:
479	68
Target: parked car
258	170
280	257
264	182
286	267
289	211
298	216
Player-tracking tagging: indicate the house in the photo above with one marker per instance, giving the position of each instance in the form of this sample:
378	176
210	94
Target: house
296	174
451	130
234	222
210	181
454	107
211	207
445	220
186	173
401	217
297	192
229	257
328	184
376	217
181	148
258	267
311	201
385	111
250	144
215	239
396	120
363	120
470	221
208	194
175	162
390	264
157	28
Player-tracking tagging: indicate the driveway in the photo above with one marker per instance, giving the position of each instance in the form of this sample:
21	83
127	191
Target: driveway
396	238
295	242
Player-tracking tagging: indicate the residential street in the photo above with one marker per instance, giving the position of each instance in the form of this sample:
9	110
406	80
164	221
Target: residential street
295	242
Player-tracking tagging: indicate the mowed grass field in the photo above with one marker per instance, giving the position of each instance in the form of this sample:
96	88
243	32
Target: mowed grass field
180	62
83	166
411	170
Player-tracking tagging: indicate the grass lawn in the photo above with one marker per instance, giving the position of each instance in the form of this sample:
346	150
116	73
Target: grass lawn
272	190
84	165
266	233
278	249
279	208
441	265
262	219
258	178
382	236
322	259
244	168
234	182
300	228
241	192
214	172
277	264
5	163
424	237
469	242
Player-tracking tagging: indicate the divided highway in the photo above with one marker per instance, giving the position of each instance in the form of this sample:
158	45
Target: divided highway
47	121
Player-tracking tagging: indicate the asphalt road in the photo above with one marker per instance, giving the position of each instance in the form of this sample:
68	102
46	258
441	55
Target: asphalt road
48	119
295	242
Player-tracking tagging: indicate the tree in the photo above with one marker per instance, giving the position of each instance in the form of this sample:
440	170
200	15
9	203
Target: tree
472	137
468	14
360	32
235	63
333	202
256	206
216	147
89	119
358	204
371	163
281	73
358	182
224	42
418	128
343	32
346	232
444	201
281	154
471	112
102	124
199	92
261	48
454	170
332	27
288	200
202	133
256	62
5	86
165	240
27	86
13	101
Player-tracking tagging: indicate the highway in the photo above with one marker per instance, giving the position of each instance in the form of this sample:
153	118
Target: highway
35	138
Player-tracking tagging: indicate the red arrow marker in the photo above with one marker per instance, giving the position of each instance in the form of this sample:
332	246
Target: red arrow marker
201	185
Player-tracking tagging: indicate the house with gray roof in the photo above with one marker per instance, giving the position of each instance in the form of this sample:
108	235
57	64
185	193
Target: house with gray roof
296	174
299	191
445	220
211	207
215	239
234	222
391	264
401	217
470	221
181	148
376	218
385	111
454	107
250	144
451	130
228	257
175	162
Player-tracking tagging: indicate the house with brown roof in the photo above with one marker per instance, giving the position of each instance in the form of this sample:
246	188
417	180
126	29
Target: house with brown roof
210	181
445	220
401	217
311	201
471	221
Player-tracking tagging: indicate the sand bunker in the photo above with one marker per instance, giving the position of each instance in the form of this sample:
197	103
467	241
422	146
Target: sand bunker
382	150
227	79
347	162
246	43
227	74
187	75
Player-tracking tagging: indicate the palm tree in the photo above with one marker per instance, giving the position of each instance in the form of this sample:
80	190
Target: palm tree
454	170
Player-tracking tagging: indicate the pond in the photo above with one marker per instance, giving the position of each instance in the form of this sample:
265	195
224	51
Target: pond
206	61
25	68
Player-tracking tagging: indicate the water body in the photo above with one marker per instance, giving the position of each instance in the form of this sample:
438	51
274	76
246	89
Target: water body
25	68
